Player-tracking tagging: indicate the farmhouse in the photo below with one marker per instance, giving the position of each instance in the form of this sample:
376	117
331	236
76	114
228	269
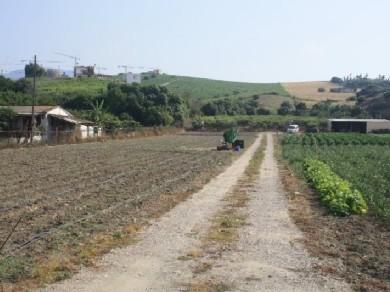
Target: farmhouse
358	125
53	124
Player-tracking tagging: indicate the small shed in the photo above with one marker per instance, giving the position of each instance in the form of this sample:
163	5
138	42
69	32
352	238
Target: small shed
53	122
358	125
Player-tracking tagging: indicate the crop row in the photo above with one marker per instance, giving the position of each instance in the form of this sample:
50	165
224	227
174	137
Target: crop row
67	194
366	167
335	192
337	139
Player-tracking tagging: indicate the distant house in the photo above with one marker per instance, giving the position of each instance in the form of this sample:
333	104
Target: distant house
358	125
54	124
84	71
133	78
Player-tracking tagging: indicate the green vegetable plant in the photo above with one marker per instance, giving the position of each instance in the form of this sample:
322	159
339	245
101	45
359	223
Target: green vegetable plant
335	193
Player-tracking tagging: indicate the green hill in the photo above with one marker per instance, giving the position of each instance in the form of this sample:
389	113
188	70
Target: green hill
271	95
203	88
53	88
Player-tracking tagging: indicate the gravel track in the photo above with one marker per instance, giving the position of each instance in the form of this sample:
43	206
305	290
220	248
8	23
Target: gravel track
268	255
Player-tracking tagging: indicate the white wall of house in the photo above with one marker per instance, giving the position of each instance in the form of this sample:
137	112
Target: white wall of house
88	132
133	78
382	125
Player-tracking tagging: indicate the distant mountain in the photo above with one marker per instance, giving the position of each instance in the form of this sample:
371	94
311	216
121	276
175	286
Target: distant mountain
16	74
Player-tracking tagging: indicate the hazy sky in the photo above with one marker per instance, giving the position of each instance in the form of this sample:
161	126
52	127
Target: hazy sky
244	40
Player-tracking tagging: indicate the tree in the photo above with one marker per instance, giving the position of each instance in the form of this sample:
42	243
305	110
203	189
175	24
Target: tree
285	108
6	117
209	109
148	105
29	70
300	108
98	113
22	85
263	111
336	80
6	84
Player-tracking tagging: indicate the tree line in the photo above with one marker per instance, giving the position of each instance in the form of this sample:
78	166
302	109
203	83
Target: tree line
120	106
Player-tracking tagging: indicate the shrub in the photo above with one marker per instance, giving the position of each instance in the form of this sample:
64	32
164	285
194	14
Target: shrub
336	80
321	89
335	193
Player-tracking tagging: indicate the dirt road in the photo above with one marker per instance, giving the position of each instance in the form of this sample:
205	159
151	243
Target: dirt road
267	258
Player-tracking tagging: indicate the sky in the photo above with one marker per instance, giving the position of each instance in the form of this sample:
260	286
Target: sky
246	40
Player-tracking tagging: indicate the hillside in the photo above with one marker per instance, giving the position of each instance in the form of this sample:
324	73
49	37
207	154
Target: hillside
70	86
308	92
203	88
270	95
377	105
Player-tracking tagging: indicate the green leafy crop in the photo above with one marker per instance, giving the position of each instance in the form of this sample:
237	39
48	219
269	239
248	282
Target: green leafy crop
335	192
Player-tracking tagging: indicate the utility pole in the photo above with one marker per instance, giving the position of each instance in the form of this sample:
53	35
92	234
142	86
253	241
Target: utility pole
33	100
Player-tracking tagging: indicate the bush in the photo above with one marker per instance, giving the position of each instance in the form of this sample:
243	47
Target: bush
336	80
285	108
335	193
263	111
381	131
321	89
6	117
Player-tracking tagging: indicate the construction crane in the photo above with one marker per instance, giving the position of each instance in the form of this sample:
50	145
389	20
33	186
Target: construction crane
125	67
99	68
75	58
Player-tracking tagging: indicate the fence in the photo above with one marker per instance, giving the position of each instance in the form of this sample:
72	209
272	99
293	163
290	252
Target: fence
22	138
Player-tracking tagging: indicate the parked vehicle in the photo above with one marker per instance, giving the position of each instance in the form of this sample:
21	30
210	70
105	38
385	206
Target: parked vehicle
312	130
293	129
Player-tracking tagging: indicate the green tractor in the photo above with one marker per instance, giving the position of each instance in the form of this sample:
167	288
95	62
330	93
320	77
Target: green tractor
230	141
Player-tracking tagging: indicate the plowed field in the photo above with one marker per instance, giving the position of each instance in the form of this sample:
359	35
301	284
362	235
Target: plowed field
66	194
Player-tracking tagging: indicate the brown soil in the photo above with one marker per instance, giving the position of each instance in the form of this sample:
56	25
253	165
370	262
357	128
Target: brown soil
160	257
356	247
79	201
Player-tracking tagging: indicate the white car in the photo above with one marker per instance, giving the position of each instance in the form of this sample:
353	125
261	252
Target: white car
293	129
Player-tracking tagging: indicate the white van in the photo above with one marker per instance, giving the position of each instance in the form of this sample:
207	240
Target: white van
293	129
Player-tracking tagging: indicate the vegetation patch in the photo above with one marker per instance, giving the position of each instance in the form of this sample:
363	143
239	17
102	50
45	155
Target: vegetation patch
335	192
208	286
206	89
361	159
360	243
13	268
261	122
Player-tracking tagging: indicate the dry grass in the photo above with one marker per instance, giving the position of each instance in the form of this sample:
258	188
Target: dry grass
61	264
208	286
308	92
272	102
192	254
224	228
